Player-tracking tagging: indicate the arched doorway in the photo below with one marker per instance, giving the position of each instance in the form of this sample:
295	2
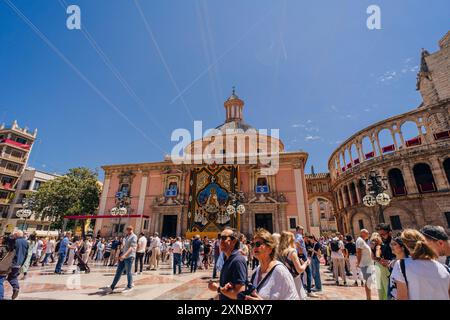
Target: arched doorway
447	169
424	178
397	182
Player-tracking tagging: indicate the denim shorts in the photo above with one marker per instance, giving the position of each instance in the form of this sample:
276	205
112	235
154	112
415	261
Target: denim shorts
366	272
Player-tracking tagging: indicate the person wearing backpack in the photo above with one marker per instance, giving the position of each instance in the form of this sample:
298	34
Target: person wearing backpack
288	256
337	256
271	280
19	245
420	277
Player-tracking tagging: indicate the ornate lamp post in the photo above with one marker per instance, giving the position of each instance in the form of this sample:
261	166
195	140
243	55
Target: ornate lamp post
376	185
24	213
236	205
122	207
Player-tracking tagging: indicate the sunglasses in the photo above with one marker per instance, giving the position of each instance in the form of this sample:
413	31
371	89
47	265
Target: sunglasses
225	238
258	244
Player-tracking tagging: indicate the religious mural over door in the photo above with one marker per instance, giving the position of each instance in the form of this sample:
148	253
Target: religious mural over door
209	196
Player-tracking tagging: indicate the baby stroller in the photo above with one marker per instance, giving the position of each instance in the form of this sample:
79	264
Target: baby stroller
81	266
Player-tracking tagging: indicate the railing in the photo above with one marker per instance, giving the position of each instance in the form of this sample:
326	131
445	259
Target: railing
10	172
413	142
15	144
388	148
6	186
399	191
427	187
442	135
10	156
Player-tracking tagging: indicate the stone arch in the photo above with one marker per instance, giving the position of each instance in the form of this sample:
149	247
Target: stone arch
410	132
387	143
367	147
397	182
424	178
446	166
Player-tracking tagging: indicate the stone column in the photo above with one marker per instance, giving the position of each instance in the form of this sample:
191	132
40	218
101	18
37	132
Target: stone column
299	194
102	206
350	197
344	199
380	151
358	195
360	152
410	182
393	138
142	192
350	155
179	222
401	138
439	174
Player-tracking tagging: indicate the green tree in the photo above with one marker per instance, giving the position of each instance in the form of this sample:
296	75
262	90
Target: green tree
75	193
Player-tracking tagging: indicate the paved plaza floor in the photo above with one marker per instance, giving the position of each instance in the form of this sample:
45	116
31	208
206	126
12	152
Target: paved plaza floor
42	283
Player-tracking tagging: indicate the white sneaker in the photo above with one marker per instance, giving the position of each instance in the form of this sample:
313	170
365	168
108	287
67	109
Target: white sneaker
126	290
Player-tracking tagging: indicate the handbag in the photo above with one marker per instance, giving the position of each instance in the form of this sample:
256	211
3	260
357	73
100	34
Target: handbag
6	262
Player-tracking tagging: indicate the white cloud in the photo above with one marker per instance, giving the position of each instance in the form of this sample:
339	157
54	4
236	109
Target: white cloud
334	108
296	125
309	121
311	138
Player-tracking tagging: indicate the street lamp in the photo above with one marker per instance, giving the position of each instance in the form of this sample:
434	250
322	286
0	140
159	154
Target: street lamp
236	205
24	213
121	209
376	185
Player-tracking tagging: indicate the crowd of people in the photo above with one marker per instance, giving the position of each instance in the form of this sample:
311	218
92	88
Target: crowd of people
411	265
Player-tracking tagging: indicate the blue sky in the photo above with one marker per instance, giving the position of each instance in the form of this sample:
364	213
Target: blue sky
310	68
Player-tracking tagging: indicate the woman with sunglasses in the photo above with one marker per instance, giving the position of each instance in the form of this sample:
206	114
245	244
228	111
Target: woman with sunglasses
272	279
401	252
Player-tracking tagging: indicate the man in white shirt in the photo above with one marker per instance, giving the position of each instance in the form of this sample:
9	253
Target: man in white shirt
177	248
337	256
140	252
156	252
49	251
364	259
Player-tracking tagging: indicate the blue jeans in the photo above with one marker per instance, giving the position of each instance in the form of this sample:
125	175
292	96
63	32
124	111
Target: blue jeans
2	290
12	278
194	261
176	263
126	265
308	275
47	255
215	266
315	266
61	258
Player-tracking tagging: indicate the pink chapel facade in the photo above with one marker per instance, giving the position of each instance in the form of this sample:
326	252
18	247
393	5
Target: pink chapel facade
192	198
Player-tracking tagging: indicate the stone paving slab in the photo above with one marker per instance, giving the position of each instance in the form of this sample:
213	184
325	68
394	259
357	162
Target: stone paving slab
42	283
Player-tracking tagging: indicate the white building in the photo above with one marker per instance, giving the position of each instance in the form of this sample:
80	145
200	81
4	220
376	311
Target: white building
30	181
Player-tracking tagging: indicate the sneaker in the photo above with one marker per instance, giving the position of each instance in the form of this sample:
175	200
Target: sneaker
337	283
15	294
312	295
126	290
109	290
345	283
356	283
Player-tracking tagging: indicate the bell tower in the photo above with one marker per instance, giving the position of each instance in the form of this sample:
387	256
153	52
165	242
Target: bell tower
233	107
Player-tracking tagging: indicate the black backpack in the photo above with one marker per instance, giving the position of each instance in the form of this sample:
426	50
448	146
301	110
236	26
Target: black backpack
334	245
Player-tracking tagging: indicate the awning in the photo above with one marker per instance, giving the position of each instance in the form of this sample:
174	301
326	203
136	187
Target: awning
105	217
